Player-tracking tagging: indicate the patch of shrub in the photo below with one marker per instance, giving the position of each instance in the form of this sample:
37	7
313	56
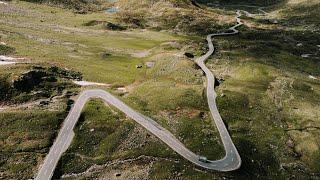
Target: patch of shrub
114	27
29	80
39	82
63	73
5	50
5	87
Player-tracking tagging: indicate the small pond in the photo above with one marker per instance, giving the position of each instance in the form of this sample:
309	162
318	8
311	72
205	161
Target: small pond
112	10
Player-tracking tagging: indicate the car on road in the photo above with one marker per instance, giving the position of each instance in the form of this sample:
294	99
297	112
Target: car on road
203	159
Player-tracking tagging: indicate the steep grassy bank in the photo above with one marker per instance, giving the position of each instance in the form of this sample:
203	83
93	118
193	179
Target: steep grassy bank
176	16
78	6
269	101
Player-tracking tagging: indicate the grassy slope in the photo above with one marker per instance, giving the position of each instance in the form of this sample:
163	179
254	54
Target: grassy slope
270	78
59	38
72	49
25	139
177	16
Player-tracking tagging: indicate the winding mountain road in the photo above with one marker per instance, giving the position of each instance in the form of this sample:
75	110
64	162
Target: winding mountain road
231	160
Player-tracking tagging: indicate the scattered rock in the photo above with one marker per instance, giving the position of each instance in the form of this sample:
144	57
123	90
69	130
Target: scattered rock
118	174
290	143
293	166
122	89
3	43
222	95
139	66
1	2
312	77
189	55
149	64
91	130
299	44
305	55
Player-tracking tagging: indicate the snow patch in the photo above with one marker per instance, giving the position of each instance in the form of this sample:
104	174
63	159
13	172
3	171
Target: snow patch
87	83
1	2
122	89
7	58
3	43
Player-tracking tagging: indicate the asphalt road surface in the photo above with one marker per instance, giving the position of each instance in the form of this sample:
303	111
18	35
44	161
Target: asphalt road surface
231	160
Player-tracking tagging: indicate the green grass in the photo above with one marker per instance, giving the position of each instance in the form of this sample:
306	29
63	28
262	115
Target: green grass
5	50
266	80
26	137
167	96
170	170
78	47
268	97
98	133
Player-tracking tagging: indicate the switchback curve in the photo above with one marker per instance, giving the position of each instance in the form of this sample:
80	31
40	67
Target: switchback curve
231	160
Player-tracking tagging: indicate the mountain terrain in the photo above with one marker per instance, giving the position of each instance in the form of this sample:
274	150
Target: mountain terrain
143	52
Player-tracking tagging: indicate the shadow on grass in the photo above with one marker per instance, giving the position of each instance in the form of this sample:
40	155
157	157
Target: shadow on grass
256	162
279	48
